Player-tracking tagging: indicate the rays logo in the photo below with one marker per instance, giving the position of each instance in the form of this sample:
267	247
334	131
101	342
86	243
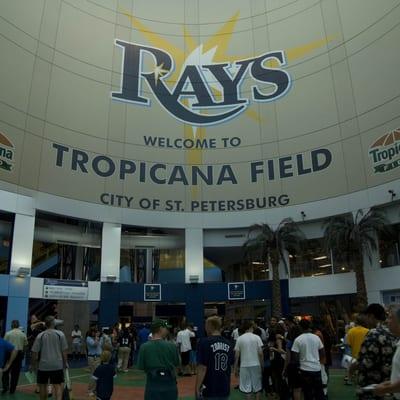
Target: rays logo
205	93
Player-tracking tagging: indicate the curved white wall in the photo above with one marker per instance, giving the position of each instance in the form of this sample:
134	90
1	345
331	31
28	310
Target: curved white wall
311	88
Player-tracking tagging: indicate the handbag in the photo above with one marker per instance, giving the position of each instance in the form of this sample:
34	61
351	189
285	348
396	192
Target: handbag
347	361
67	387
67	379
65	395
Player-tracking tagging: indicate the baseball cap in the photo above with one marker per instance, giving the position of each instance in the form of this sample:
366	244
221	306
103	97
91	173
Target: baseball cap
159	323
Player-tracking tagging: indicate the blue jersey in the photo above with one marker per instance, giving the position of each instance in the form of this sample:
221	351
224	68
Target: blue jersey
143	335
216	353
5	349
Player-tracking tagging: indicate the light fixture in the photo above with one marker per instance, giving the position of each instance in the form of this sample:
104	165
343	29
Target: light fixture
303	215
23	272
193	278
343	268
325	266
257	263
111	278
392	194
320	258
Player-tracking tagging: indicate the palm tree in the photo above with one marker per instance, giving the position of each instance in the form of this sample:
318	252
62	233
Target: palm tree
352	236
269	246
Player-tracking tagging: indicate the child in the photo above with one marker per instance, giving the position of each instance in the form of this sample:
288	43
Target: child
104	377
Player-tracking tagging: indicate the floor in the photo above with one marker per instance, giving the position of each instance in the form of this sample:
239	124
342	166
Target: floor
131	386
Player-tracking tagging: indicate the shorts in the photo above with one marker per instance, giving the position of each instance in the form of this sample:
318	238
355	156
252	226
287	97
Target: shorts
76	347
165	394
193	357
216	398
250	380
52	377
185	358
294	377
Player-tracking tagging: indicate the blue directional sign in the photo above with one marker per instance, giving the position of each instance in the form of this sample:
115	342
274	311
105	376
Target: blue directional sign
59	289
152	292
236	291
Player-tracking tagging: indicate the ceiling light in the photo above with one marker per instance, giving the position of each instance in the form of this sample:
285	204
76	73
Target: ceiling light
325	266
320	258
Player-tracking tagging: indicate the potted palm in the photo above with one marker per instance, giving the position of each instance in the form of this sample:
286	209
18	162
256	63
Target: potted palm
352	236
268	245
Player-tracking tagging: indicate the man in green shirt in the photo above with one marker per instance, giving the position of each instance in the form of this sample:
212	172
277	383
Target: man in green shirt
159	359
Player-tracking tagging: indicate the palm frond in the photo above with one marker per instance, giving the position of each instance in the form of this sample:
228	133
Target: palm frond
338	233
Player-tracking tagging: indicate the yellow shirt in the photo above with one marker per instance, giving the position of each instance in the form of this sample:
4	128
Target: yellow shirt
17	338
355	338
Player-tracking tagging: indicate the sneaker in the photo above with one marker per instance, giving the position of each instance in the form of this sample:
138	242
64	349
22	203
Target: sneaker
125	370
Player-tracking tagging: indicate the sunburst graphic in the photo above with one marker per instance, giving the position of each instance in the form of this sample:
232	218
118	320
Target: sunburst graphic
214	50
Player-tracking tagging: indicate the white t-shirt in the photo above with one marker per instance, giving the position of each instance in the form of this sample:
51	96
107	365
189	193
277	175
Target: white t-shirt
183	338
308	346
249	345
396	368
76	339
235	334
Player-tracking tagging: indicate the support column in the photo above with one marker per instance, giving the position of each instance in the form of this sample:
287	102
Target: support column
109	304
110	251
21	257
194	262
149	266
22	243
195	307
372	267
79	264
284	270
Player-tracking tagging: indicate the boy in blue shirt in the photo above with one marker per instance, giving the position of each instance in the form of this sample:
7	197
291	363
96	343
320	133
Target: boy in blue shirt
104	376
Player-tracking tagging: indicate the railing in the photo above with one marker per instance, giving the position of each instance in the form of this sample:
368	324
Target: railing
44	254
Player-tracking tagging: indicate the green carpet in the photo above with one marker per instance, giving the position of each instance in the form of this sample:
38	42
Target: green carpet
337	390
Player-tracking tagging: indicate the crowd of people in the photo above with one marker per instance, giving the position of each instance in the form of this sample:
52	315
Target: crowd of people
285	359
